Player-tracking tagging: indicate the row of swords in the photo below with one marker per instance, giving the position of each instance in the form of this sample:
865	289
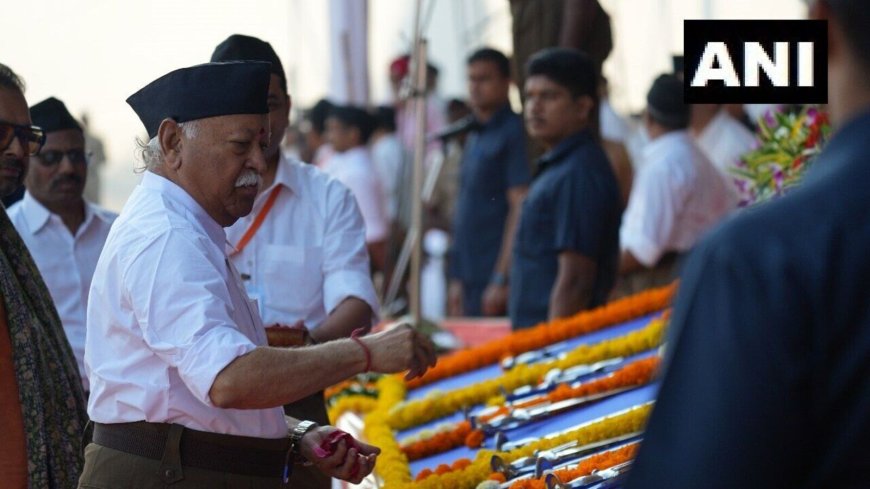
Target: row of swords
546	463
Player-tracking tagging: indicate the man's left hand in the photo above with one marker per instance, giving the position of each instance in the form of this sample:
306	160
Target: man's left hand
495	299
349	459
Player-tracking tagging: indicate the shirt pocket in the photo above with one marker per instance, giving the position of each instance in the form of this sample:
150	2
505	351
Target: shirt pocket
536	229
292	278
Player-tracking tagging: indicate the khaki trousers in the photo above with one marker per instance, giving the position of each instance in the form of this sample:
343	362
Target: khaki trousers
663	273
111	469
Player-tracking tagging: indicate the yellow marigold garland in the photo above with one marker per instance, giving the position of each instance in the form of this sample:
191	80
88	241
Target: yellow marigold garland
357	404
447	436
626	422
392	464
420	411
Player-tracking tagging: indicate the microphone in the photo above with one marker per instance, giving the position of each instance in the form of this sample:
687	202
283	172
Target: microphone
466	124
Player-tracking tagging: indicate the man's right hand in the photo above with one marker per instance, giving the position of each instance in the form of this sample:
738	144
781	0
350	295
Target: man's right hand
401	348
350	461
454	298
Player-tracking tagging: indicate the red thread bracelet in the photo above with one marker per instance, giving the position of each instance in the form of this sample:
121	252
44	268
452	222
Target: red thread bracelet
355	336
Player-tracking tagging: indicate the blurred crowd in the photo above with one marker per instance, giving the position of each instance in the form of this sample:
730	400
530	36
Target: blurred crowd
673	165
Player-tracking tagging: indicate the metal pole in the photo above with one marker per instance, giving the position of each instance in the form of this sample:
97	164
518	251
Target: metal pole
417	201
419	97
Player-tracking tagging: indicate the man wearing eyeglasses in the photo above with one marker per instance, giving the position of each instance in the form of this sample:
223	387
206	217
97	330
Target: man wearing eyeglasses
64	233
42	408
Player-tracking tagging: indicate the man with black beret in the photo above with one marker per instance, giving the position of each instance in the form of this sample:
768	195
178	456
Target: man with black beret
64	233
677	194
301	251
184	390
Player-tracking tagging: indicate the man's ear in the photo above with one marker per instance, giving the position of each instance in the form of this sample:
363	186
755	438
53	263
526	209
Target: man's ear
356	135
169	137
289	103
585	104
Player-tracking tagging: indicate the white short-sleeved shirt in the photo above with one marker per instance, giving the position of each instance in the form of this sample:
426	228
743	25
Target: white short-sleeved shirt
354	168
309	254
387	157
66	262
676	196
167	313
613	127
724	141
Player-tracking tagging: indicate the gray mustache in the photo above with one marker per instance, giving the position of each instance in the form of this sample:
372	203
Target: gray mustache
248	178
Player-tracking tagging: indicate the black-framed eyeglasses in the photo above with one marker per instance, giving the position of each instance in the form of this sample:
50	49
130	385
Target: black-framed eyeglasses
53	157
31	137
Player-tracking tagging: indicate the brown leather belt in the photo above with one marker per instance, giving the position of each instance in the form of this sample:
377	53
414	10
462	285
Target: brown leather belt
233	454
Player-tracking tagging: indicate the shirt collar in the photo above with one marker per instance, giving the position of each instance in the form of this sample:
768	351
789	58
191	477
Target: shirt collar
173	192
35	213
285	175
500	115
355	153
560	152
666	140
93	211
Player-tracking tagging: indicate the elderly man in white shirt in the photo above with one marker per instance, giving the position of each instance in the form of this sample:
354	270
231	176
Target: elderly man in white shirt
64	232
301	252
677	195
184	390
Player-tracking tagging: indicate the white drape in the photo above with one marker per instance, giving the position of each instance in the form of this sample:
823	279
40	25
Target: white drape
348	52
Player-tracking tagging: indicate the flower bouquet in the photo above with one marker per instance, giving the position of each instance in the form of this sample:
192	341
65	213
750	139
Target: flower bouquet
789	143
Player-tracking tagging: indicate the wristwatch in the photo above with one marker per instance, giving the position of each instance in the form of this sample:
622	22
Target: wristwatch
298	432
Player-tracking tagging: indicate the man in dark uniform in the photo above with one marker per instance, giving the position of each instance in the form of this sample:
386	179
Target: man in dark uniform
566	248
494	178
768	380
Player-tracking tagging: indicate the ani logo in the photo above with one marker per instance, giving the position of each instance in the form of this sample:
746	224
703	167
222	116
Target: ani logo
756	61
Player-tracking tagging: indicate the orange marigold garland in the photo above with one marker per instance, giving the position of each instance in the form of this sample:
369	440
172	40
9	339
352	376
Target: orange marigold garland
629	421
437	405
438	443
588	465
636	373
547	334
